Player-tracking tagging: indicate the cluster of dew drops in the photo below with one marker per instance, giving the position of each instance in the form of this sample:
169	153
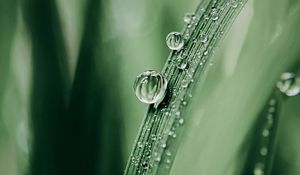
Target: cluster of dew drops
150	87
150	93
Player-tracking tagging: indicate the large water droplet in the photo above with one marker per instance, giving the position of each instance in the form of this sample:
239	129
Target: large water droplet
289	84
175	41
150	87
189	18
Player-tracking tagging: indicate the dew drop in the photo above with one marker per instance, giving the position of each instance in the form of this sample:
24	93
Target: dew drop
214	14
168	161
263	151
181	121
203	38
177	114
266	133
258	170
168	153
272	102
289	84
184	83
140	145
233	3
181	63
186	36
156	157
189	18
206	17
205	53
175	41
172	134
271	109
150	87
163	145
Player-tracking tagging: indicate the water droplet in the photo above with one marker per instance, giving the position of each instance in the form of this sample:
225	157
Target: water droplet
156	157
175	41
172	134
289	84
263	151
271	109
233	3
203	37
206	17
180	121
153	137
272	102
205	53
184	83
181	63
186	36
258	170
266	133
163	145
168	153
184	103
140	145
189	18
168	161
214	14
177	114
150	87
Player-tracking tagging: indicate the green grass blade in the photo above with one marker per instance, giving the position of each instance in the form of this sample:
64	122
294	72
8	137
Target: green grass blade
50	85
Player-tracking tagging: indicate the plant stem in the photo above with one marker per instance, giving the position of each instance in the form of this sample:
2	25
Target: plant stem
157	142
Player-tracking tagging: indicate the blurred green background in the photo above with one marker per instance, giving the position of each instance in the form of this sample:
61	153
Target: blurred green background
67	70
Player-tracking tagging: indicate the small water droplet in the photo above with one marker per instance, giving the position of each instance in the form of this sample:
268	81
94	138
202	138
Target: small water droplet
168	161
156	157
181	63
150	87
181	121
258	170
168	153
266	133
214	14
205	53
272	102
153	137
163	145
189	18
203	37
177	114
233	3
140	145
184	103
206	17
272	109
289	84
263	151
172	134
175	41
184	83
186	36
